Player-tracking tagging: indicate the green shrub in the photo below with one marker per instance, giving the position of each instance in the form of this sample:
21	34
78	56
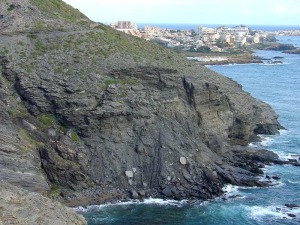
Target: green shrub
47	120
21	43
58	8
39	46
74	137
54	192
28	142
39	25
32	36
18	112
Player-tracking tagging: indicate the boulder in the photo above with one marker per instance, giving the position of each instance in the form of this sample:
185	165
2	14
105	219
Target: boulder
175	191
129	173
28	125
167	192
187	175
142	193
183	160
134	194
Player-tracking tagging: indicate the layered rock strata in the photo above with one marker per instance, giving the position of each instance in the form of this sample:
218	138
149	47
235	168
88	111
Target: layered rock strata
95	114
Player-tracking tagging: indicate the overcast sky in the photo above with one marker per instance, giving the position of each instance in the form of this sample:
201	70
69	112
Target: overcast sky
248	12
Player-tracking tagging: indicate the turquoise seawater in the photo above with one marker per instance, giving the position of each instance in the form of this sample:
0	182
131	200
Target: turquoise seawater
278	85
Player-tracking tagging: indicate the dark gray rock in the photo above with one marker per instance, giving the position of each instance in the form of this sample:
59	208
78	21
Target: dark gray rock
142	193
175	191
292	206
167	192
291	215
234	196
275	177
293	160
134	194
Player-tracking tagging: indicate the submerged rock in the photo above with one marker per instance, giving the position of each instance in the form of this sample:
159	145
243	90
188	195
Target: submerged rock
291	215
292	206
275	177
234	196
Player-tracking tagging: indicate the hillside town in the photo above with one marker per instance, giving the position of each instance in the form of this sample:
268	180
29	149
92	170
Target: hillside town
201	39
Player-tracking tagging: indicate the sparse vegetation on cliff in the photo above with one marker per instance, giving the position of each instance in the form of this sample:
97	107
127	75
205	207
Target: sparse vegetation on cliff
58	9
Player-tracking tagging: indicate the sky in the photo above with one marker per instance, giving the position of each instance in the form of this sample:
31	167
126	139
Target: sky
248	12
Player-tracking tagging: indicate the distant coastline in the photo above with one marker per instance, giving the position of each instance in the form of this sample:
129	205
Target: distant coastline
214	44
219	59
193	26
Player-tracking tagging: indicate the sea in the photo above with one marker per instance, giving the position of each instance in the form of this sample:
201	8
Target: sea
279	86
194	26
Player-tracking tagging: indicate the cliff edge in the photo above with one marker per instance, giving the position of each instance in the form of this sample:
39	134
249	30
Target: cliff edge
89	114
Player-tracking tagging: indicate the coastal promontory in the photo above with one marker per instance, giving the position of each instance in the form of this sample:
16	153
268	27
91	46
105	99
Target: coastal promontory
90	115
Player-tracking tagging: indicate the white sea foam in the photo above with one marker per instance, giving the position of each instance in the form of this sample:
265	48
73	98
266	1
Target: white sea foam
258	212
286	156
276	184
274	64
148	201
266	141
158	201
283	131
294	182
232	191
241	64
229	188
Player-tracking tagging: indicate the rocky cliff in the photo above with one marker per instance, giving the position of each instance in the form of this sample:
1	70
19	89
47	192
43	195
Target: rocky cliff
89	114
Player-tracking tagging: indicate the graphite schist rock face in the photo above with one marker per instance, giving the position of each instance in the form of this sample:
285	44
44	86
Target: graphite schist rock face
89	114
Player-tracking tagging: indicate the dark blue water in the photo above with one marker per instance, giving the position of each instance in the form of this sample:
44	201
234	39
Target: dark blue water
194	26
278	85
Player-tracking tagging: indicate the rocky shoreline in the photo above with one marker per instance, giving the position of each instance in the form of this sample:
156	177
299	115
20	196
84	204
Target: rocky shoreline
243	58
216	59
240	59
246	171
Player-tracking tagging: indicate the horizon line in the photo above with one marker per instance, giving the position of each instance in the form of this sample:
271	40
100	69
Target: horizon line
236	24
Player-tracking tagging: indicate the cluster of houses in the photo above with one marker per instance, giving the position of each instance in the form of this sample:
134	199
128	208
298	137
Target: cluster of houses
218	39
287	32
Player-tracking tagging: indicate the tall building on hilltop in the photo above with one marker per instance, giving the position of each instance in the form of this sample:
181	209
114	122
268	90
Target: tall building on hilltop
122	25
126	27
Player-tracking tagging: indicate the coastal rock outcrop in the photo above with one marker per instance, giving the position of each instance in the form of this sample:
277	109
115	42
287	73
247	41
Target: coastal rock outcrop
116	113
21	207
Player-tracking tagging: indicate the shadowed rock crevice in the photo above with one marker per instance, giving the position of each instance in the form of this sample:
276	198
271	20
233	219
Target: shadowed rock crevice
189	88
